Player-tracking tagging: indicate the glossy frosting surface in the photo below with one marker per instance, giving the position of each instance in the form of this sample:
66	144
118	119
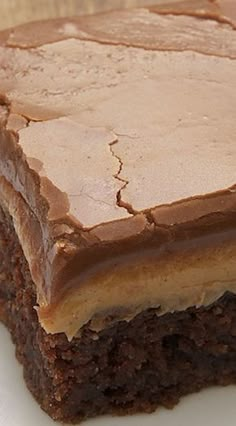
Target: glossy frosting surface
119	138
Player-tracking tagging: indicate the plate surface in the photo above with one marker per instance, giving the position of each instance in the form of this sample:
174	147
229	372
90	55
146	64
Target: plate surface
215	406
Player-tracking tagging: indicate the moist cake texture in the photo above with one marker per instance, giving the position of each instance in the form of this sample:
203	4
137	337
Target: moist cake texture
118	205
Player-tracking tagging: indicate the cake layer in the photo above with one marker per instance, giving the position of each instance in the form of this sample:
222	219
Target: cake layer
126	368
117	161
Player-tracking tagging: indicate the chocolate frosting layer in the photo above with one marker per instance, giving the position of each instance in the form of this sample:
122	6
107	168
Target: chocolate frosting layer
117	143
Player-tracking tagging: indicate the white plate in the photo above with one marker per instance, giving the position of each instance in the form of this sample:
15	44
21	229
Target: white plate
17	408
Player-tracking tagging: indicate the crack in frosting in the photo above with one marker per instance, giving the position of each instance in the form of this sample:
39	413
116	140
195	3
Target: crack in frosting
125	182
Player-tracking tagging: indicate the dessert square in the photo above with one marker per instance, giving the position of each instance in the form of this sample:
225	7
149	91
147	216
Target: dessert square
118	206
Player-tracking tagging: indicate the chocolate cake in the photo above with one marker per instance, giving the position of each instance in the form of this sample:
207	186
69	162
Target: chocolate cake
118	206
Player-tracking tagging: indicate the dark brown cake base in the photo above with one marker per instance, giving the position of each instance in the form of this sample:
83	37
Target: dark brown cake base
128	368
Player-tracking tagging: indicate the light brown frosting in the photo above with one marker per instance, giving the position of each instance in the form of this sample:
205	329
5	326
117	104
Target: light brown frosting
125	142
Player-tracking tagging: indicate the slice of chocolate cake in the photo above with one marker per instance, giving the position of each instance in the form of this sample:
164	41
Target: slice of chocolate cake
118	206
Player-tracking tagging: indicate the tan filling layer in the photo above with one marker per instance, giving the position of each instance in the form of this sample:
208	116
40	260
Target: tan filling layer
169	281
